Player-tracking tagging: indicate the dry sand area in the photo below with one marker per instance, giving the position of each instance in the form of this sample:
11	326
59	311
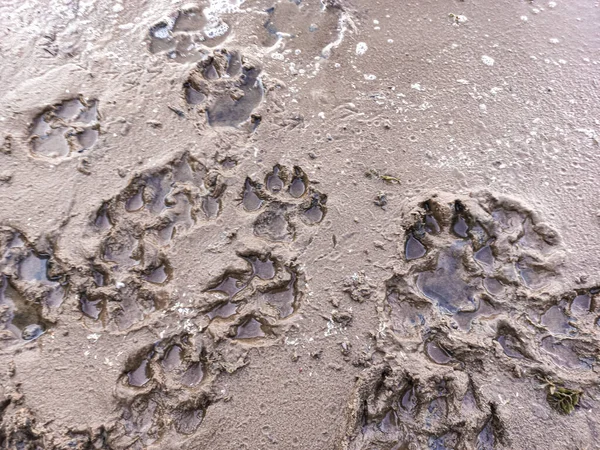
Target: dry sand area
299	224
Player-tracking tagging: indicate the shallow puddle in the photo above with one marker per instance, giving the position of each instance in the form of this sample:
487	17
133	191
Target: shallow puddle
159	275
90	308
194	375
172	359
557	322
223	311
283	299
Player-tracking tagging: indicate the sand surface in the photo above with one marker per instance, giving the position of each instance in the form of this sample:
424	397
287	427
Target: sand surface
299	224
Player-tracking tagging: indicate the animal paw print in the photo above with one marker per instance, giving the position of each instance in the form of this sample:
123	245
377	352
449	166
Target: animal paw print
253	304
486	266
32	287
165	389
65	129
139	226
282	202
186	35
227	87
394	409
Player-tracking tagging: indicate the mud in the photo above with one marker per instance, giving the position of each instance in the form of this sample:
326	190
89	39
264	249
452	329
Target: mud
300	224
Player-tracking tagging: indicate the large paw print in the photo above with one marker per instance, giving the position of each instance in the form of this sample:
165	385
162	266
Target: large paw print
227	88
138	226
254	304
32	287
480	281
396	409
165	389
65	129
284	201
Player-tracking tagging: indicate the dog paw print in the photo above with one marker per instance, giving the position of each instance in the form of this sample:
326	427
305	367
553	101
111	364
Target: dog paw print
65	129
484	267
187	34
254	304
393	409
138	227
227	88
32	288
165	389
282	202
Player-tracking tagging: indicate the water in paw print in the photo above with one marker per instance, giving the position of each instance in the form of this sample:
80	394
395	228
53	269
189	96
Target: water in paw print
250	328
67	128
141	375
262	268
235	107
445	285
273	180
250	199
413	249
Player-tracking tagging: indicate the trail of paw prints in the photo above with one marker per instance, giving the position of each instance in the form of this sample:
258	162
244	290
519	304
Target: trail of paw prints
227	88
282	202
66	129
167	389
127	276
394	409
32	288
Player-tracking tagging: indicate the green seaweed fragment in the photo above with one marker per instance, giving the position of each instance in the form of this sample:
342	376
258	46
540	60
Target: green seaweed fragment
562	399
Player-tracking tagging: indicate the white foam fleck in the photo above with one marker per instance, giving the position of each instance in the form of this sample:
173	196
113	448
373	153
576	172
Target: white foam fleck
215	26
361	48
370	77
487	60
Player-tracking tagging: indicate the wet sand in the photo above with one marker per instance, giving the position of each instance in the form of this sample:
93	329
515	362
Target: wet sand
340	225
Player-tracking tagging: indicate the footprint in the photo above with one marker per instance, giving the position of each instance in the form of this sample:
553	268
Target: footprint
396	409
65	129
226	87
253	305
165	389
188	34
282	202
32	288
304	26
138	226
